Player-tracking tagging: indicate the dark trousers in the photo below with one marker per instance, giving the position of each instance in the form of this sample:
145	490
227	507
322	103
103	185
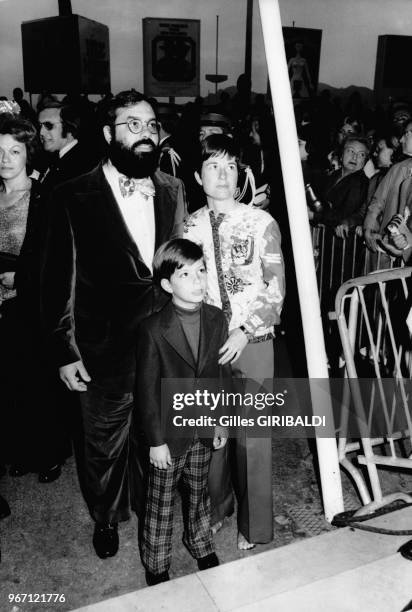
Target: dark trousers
254	455
103	469
191	469
220	485
34	428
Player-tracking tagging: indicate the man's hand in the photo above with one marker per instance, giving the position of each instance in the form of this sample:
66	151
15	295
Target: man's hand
160	456
233	347
342	230
359	231
7	279
404	237
75	376
371	238
392	249
400	241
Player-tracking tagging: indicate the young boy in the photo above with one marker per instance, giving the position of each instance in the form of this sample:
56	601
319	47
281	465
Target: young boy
181	341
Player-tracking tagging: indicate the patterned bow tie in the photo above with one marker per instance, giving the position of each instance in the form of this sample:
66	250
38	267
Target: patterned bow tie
129	185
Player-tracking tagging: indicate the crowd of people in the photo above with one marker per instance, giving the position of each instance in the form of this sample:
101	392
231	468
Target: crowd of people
141	242
358	168
113	280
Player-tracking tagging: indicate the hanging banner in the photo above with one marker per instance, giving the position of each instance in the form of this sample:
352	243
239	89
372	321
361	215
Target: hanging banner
171	52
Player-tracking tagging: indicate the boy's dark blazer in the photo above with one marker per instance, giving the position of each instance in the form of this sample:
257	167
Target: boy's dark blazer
164	352
96	286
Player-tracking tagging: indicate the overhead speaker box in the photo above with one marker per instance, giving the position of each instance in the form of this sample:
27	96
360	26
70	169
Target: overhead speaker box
393	79
66	54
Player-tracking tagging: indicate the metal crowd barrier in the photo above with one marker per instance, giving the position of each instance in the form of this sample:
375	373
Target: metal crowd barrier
339	259
371	313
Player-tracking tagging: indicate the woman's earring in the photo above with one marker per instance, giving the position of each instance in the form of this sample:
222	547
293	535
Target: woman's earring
237	193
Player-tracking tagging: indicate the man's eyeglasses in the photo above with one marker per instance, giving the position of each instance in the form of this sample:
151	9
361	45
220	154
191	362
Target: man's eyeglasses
136	126
48	125
360	154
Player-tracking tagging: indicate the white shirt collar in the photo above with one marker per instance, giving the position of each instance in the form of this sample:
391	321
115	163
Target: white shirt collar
67	147
137	212
111	170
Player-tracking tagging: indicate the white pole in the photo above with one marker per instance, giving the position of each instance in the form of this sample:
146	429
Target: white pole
301	242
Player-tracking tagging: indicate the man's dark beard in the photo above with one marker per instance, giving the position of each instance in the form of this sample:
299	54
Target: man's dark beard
132	163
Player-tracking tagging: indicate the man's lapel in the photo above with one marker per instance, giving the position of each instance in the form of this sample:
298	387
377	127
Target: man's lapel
173	333
164	209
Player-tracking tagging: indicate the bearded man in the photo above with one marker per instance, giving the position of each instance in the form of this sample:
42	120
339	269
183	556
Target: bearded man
97	286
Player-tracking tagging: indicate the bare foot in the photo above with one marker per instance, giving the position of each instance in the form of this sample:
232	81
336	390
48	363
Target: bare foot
216	527
243	543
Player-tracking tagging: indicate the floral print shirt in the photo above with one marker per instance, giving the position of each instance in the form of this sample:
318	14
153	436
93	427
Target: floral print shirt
245	272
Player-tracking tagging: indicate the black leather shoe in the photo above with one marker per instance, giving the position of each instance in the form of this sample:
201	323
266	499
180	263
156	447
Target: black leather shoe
207	562
105	540
153	579
17	470
406	550
51	474
4	508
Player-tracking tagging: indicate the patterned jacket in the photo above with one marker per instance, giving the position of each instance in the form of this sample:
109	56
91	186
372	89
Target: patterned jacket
245	269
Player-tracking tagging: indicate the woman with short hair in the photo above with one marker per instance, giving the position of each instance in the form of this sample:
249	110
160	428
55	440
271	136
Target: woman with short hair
345	191
245	278
25	442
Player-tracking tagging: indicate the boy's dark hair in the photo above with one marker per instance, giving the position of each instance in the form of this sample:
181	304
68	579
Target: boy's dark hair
173	255
217	145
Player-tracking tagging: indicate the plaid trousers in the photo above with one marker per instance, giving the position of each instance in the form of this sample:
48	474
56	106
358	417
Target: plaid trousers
156	543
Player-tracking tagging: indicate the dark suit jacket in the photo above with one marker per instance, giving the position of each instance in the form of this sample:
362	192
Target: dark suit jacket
77	161
346	197
96	286
163	352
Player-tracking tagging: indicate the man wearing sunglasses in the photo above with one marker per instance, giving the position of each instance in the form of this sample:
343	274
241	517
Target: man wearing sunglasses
104	229
66	156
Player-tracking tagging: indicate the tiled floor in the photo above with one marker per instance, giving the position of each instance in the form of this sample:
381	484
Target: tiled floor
341	571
